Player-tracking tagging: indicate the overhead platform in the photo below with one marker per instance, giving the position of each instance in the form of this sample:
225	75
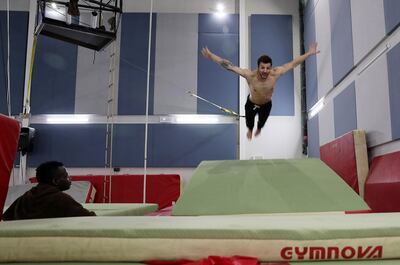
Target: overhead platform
266	186
91	24
94	39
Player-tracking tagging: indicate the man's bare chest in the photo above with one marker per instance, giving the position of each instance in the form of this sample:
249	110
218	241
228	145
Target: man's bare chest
262	87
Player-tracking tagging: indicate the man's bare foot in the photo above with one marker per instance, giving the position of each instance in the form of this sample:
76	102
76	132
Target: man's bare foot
257	133
249	134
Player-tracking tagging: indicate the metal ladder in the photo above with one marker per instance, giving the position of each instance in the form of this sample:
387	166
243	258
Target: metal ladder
110	122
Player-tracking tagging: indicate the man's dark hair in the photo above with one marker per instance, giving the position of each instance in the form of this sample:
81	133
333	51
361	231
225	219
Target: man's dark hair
264	59
46	171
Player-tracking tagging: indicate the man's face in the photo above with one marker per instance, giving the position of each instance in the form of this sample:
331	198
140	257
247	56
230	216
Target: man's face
61	179
264	69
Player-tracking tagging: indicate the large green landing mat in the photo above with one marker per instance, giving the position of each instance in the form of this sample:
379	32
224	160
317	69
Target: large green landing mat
266	186
121	209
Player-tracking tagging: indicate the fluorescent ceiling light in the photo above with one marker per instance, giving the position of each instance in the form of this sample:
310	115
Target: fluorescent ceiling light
220	14
220	7
316	108
190	119
68	119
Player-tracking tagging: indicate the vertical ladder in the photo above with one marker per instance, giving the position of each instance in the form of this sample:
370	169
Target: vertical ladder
110	122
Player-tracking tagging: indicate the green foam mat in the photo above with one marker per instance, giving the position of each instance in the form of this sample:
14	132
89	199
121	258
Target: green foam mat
121	209
266	186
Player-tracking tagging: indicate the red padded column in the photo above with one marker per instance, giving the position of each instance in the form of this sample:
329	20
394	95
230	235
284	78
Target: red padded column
9	136
383	183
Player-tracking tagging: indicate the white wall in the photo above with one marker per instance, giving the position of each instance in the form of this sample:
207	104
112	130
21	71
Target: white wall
177	6
370	73
324	69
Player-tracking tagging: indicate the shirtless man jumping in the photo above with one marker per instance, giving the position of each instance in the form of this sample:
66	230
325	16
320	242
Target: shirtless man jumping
261	83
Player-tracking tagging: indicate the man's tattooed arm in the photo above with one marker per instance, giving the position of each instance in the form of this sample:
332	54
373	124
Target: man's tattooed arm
226	64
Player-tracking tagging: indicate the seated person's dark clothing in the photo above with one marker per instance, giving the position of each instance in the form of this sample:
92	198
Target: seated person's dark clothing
45	201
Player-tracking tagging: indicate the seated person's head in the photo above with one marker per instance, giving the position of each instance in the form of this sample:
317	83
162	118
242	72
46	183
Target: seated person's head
53	173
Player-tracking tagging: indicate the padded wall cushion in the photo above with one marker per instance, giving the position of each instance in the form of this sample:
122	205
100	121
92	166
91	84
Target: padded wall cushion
383	184
163	189
9	136
348	157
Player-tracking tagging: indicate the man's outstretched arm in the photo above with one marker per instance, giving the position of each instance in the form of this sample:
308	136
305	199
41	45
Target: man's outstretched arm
312	50
223	62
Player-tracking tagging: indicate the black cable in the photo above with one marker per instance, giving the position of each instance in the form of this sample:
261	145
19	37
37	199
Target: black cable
4	63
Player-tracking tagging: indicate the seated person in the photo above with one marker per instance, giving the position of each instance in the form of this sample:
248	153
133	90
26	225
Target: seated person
47	199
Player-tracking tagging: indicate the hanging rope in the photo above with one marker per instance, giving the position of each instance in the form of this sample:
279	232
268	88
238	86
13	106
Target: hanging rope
225	110
8	60
147	104
27	104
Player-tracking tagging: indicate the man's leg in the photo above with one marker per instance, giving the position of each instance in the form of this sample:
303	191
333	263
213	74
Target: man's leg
263	115
250	115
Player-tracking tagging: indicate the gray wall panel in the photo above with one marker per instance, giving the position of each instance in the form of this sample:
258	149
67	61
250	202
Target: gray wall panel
393	60
15	5
345	111
341	37
368	23
313	137
176	63
392	17
92	81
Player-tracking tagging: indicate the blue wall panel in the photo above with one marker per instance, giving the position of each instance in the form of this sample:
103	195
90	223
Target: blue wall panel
313	137
345	111
392	14
18	38
213	82
172	145
74	145
393	59
273	35
128	145
133	64
341	39
54	77
311	62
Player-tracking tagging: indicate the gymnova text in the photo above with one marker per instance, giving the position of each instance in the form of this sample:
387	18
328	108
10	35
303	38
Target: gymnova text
331	253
